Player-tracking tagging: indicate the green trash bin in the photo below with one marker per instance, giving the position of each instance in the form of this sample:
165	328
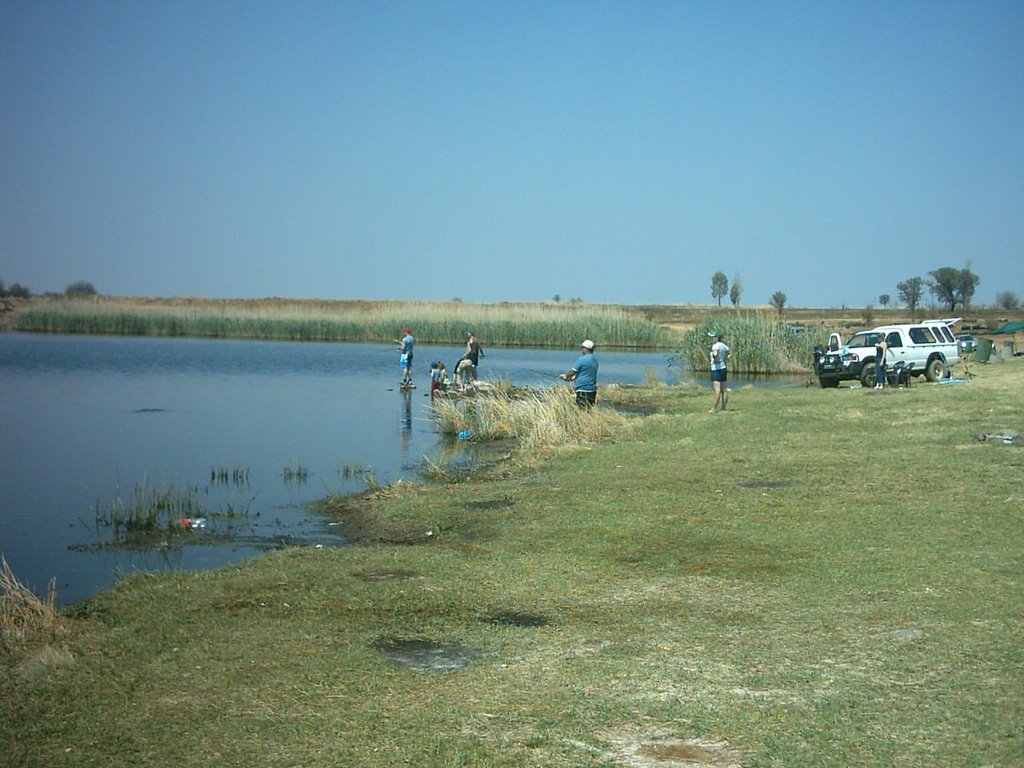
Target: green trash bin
984	351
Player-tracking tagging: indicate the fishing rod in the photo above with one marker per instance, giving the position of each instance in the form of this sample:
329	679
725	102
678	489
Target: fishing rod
542	373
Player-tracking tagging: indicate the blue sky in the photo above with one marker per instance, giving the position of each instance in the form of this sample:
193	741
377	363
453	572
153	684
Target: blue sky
511	151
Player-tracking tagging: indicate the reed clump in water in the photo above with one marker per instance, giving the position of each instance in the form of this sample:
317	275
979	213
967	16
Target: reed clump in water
223	475
758	343
505	324
295	472
148	509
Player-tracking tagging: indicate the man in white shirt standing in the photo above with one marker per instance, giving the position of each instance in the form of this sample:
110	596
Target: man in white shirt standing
719	360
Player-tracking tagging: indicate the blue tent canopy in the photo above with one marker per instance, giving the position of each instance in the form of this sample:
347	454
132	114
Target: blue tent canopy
1009	328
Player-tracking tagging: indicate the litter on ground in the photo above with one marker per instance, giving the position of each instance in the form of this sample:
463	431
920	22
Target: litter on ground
988	437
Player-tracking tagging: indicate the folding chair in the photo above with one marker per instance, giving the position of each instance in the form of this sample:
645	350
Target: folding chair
899	375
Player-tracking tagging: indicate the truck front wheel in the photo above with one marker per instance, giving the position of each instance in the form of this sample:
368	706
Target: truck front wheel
867	375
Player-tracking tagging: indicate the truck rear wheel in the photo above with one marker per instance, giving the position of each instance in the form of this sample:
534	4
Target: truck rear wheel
935	370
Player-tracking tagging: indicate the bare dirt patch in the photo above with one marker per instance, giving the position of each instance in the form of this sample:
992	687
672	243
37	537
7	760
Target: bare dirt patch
659	749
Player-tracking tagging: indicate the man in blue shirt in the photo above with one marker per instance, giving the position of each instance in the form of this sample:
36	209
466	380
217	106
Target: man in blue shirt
405	349
583	375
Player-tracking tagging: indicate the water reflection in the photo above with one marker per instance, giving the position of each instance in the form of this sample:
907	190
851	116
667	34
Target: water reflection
406	429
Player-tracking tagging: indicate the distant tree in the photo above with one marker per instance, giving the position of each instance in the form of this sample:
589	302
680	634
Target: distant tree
952	286
736	290
19	291
556	298
79	290
719	286
869	314
943	285
968	285
3	289
778	301
910	293
884	299
1008	300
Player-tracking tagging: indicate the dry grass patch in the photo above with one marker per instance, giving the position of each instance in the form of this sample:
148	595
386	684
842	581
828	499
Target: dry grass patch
25	619
536	419
40	661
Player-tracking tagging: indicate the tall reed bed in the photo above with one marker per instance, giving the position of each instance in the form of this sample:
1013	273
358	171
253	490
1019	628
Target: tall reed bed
549	324
758	343
535	418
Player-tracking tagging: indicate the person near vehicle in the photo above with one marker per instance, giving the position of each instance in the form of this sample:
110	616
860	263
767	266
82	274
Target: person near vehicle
719	367
881	348
405	347
583	375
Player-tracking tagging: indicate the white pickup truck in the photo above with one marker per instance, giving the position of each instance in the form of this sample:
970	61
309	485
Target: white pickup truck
927	348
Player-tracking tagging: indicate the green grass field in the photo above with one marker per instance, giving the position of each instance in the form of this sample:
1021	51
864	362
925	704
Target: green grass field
815	577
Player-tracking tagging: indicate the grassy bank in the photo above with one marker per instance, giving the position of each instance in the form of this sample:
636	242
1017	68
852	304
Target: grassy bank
816	577
506	324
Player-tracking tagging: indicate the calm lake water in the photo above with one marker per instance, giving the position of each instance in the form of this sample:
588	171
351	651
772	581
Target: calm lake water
257	429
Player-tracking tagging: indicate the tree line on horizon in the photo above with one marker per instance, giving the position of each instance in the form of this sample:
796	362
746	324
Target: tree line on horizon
77	290
950	286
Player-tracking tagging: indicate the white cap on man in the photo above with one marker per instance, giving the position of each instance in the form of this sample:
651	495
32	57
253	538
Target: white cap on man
587	344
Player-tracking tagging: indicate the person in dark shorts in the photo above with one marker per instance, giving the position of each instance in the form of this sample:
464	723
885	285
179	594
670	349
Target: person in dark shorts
719	367
583	375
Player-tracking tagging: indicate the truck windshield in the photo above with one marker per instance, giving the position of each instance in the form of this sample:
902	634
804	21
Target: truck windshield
864	339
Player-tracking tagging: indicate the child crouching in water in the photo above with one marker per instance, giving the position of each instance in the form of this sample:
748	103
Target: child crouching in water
438	379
